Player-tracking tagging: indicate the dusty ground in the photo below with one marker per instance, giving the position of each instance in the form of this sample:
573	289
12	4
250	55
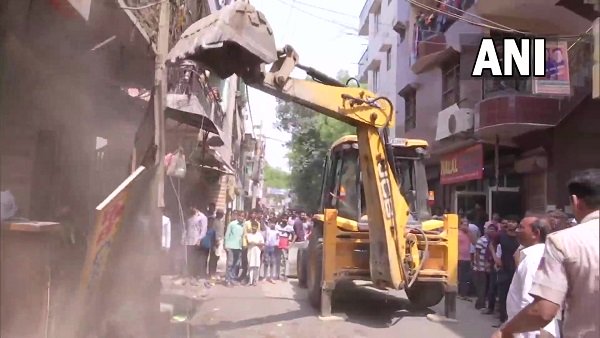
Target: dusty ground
282	310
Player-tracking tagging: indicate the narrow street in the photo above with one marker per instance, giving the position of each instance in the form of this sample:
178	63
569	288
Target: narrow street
282	310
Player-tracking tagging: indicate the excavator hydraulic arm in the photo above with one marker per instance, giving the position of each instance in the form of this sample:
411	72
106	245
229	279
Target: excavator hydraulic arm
238	40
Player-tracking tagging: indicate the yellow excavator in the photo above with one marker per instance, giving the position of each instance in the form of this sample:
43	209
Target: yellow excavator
382	236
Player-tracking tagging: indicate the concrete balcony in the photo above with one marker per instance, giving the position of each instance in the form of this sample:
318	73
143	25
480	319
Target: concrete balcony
370	6
510	115
583	8
384	41
509	110
429	50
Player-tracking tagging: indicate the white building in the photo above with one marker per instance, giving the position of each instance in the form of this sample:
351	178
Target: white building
385	64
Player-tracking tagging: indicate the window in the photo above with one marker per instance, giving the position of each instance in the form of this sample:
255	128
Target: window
410	110
376	22
347	201
450	84
388	59
375	80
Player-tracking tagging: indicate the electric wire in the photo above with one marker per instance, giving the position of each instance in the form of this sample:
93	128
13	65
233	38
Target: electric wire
318	17
324	9
473	15
458	17
507	29
287	21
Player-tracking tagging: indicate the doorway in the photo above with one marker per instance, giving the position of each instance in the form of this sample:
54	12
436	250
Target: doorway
465	203
504	201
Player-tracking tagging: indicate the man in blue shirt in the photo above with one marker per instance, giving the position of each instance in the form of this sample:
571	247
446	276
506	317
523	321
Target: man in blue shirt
233	247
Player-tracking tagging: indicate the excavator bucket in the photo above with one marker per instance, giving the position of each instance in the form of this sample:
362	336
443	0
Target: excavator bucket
234	40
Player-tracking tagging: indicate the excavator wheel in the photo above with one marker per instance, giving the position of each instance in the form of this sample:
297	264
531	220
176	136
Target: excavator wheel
301	267
315	274
423	295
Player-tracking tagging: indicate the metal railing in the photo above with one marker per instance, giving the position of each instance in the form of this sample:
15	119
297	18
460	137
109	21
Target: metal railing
189	79
504	86
440	22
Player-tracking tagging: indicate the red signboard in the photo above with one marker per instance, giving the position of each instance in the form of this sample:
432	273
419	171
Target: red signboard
463	165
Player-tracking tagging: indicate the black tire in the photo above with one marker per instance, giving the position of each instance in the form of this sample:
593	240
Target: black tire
301	265
315	275
423	295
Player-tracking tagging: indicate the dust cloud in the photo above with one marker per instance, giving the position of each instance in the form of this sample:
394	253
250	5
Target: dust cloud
59	100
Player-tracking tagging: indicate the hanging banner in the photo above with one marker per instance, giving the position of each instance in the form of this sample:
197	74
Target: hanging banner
557	80
463	165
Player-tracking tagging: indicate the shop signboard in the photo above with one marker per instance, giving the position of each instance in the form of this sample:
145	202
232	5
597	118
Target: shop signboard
463	165
108	220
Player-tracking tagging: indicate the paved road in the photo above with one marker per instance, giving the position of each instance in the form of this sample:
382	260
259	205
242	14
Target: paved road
281	310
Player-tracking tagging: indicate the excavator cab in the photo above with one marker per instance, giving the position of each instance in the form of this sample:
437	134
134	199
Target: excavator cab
342	189
342	184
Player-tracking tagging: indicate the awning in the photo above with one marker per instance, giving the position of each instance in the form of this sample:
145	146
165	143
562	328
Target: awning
226	166
187	109
212	161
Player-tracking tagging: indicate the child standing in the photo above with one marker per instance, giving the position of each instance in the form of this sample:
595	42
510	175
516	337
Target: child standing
271	237
255	242
285	232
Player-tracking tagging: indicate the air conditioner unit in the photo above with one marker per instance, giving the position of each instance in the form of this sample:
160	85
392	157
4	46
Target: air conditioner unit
453	120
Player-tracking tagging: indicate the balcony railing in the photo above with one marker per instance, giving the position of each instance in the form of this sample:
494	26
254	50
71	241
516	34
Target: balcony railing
440	22
426	41
191	80
504	86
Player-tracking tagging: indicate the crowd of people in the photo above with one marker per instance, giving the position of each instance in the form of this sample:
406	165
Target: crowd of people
510	263
540	273
489	256
255	245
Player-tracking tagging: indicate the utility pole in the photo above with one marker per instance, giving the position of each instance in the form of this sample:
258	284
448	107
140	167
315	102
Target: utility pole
160	94
259	167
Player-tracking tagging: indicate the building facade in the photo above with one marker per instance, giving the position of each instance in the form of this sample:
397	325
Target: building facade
493	143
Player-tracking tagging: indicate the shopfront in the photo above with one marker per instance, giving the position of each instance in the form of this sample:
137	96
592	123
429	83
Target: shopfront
460	172
468	183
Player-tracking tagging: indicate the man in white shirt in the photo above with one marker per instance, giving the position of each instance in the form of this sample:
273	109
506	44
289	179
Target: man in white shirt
196	227
568	273
531	233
